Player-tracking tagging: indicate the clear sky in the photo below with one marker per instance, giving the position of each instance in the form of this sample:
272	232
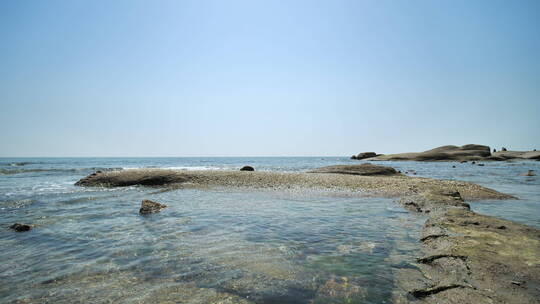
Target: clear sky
256	78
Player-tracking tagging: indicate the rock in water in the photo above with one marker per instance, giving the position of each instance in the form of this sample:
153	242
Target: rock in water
364	155
20	227
363	169
247	168
528	173
148	206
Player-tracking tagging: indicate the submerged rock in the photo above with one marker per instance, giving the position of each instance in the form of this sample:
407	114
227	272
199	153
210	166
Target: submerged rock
363	169
340	288
247	168
20	227
148	206
528	173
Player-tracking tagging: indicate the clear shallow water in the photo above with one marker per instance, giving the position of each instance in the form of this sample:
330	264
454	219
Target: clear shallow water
91	245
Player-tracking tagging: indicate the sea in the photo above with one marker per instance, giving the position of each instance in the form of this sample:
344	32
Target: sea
217	245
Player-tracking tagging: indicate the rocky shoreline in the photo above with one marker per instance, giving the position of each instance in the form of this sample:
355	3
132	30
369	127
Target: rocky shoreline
466	257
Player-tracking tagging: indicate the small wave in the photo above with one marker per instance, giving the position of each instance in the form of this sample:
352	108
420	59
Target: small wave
18	164
20	171
17	171
17	203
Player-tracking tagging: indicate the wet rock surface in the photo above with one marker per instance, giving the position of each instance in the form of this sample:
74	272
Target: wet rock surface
471	258
132	177
20	227
148	206
247	168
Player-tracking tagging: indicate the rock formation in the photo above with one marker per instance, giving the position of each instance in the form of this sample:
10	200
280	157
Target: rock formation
20	227
148	206
363	169
508	155
247	168
364	155
470	258
466	152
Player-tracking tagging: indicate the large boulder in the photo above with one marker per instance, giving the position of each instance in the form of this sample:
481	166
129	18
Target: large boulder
362	169
148	206
466	152
247	168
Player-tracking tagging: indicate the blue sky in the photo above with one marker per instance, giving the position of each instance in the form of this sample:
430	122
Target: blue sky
266	78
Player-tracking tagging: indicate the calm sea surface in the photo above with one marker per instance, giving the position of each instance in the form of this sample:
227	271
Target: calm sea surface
218	246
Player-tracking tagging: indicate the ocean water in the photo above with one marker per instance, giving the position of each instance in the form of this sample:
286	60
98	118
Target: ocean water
218	245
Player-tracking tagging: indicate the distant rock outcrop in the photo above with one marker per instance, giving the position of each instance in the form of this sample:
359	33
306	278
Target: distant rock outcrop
506	155
364	155
247	168
363	169
466	152
148	206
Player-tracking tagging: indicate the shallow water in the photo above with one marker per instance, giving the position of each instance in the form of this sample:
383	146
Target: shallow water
91	245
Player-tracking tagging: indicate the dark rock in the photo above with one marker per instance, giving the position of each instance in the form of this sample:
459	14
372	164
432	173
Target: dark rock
123	178
247	168
503	149
20	227
363	169
148	206
365	155
494	150
481	165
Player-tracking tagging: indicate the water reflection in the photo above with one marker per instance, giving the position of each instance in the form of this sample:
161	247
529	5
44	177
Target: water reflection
208	247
